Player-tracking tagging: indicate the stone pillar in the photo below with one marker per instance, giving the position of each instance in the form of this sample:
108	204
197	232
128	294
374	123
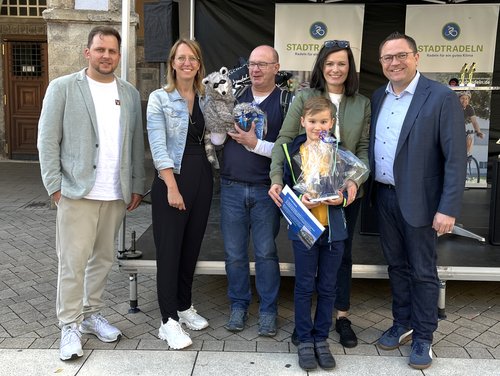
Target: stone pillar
68	28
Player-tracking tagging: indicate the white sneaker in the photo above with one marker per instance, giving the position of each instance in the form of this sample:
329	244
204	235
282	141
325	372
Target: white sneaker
71	345
175	336
99	326
192	319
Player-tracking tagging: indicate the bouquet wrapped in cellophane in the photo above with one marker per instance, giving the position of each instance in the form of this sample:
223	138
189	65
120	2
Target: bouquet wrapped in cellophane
246	113
326	168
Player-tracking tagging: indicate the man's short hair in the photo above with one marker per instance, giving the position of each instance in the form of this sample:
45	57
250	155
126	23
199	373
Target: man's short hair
397	35
104	30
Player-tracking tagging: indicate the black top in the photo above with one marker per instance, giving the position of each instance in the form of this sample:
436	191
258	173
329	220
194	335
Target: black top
468	112
196	127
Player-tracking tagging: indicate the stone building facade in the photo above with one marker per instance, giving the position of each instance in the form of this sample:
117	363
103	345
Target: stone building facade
58	32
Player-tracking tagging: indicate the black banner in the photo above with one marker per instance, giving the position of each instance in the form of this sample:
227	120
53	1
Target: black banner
158	38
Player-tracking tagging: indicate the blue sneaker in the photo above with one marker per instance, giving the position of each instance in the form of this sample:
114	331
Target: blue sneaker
394	337
421	355
237	320
267	325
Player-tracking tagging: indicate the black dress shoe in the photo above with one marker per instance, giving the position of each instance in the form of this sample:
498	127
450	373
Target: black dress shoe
347	336
307	359
324	355
295	337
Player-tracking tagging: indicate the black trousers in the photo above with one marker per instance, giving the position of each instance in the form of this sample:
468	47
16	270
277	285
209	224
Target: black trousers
344	275
178	234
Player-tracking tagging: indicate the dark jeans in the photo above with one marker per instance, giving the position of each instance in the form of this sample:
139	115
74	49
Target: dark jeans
315	271
410	253
247	209
344	276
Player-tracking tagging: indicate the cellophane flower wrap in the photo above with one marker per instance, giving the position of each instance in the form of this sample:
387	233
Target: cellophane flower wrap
326	167
245	113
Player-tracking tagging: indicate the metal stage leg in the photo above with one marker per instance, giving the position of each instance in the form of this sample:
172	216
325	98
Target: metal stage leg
457	230
121	237
442	300
133	294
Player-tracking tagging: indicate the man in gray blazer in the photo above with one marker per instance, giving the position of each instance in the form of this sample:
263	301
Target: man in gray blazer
417	158
91	149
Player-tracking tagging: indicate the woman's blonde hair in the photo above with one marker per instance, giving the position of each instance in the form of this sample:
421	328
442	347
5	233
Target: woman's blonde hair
171	76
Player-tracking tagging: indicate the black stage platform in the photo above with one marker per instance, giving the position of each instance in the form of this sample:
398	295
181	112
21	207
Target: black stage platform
453	251
459	258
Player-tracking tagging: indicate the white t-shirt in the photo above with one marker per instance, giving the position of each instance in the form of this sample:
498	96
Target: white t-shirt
260	99
336	99
263	147
107	108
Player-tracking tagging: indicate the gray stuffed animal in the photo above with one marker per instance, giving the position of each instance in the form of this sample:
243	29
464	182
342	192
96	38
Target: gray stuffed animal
219	104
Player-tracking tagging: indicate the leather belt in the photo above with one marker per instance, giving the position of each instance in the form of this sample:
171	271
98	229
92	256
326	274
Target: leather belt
387	186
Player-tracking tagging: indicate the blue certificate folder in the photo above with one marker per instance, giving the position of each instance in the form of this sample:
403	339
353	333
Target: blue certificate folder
300	219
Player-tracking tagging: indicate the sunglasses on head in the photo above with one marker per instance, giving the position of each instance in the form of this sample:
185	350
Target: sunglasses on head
337	43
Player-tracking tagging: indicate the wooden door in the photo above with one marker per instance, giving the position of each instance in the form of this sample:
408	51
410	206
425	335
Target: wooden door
25	82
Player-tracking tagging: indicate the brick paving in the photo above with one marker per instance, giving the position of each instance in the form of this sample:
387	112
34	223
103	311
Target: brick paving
28	270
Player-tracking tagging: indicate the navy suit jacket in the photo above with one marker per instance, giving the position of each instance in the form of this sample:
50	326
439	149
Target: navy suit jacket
429	166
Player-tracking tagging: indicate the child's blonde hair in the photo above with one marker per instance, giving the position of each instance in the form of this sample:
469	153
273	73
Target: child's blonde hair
318	104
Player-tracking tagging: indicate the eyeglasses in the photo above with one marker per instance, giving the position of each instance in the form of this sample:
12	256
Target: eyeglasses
192	59
337	43
387	59
262	65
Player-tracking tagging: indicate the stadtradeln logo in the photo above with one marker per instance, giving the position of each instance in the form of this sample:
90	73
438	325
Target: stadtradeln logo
451	31
318	30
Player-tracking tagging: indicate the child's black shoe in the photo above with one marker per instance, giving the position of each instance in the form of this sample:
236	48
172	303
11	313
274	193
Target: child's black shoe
324	355
307	359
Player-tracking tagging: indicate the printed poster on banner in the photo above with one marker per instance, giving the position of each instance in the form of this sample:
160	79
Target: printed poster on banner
456	45
302	29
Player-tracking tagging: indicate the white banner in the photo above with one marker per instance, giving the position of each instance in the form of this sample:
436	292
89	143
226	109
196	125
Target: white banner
449	36
301	30
458	42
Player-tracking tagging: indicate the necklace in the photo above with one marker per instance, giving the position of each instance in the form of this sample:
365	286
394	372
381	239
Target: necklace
193	124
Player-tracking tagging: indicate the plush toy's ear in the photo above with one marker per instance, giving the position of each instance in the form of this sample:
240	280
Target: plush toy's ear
223	71
205	81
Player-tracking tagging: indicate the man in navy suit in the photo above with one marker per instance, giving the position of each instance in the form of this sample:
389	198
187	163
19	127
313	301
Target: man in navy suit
417	157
